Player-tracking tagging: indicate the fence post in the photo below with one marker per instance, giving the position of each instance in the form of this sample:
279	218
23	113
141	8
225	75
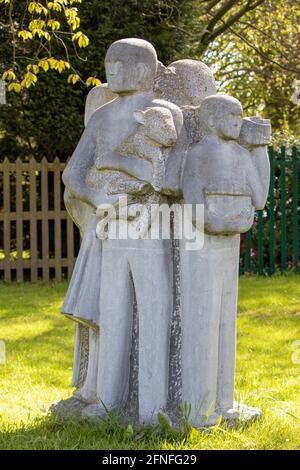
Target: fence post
295	195
19	219
260	236
33	224
248	251
283	239
271	214
45	222
57	219
6	228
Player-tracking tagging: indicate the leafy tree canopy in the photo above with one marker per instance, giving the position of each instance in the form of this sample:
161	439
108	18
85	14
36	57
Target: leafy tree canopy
52	50
257	61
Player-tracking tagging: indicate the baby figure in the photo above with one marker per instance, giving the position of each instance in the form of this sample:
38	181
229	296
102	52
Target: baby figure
152	141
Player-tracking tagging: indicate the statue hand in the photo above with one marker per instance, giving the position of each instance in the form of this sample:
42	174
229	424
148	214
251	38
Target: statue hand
104	208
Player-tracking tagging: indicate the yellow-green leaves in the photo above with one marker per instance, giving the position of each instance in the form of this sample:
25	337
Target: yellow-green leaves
25	35
35	7
44	21
93	81
73	78
9	75
14	86
44	64
72	19
53	24
83	40
37	24
37	28
59	65
29	80
55	6
33	68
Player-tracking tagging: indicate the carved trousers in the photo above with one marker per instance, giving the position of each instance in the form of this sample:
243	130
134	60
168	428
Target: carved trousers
143	268
209	280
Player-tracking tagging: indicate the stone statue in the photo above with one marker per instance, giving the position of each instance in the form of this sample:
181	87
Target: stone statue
230	181
155	323
131	68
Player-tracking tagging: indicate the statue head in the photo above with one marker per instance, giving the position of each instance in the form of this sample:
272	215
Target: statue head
185	82
130	66
221	115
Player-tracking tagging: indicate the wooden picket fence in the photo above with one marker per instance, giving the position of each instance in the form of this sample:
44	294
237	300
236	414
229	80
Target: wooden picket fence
36	235
39	241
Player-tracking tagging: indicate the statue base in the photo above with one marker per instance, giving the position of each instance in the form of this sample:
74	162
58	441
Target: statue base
240	413
69	409
74	409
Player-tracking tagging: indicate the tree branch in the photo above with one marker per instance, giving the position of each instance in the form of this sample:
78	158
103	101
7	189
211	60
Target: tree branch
264	56
211	4
13	32
216	17
249	25
210	36
234	18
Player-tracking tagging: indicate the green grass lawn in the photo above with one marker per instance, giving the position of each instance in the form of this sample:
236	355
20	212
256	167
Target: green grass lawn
39	348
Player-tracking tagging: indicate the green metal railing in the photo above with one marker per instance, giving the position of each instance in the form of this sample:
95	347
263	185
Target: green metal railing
273	242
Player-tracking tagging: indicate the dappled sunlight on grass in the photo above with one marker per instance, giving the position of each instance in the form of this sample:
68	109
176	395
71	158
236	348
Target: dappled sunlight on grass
39	346
277	295
39	350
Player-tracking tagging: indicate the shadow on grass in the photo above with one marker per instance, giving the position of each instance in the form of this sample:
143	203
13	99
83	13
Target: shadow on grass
50	433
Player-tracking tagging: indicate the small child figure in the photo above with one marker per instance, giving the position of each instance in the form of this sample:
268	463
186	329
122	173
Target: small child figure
230	180
152	141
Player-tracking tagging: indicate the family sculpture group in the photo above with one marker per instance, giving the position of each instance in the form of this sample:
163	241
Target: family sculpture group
156	321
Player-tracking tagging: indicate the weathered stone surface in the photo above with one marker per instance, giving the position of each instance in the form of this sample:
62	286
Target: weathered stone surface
131	68
155	321
240	413
97	97
71	408
230	182
185	82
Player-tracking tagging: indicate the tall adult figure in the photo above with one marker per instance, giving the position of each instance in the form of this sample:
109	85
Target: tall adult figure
131	68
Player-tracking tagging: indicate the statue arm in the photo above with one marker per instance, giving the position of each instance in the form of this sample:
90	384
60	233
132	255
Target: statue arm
75	172
138	168
193	183
259	176
255	136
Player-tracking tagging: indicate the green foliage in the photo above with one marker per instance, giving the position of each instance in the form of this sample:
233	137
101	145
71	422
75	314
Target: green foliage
39	345
257	61
47	120
253	51
39	23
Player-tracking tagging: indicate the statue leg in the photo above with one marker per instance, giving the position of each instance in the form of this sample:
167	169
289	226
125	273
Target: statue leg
226	406
227	339
152	277
84	377
116	306
201	306
86	363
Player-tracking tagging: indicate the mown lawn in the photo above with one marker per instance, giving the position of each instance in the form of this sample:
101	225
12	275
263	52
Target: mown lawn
39	348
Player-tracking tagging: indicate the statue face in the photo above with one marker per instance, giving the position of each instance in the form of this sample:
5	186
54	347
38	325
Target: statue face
124	77
229	125
130	66
116	75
